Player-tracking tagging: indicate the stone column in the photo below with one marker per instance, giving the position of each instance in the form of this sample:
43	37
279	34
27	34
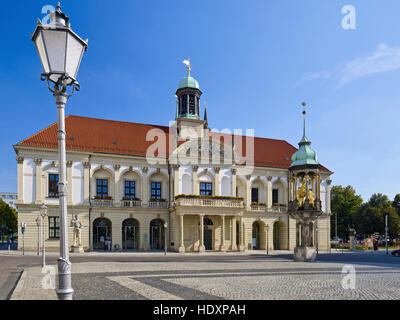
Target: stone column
248	192
201	233
217	191
20	177
145	187
181	243
86	182
38	196
69	182
241	244
269	192
234	246
117	185
234	182
223	245
195	182
328	196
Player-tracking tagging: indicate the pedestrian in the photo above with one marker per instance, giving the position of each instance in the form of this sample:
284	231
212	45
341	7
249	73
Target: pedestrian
109	244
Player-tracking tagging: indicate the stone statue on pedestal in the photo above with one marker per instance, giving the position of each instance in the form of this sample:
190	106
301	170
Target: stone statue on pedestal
77	225
352	235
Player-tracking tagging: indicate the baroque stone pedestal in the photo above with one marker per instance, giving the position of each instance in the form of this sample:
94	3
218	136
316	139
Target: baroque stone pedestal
181	249
202	248
77	249
305	254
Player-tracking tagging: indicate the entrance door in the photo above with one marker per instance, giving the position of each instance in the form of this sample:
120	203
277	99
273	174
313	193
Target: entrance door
156	234
208	226
208	239
101	233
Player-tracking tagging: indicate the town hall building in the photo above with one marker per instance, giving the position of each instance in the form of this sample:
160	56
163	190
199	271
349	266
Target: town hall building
191	189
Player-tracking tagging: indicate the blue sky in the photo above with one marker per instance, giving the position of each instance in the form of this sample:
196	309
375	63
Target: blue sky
255	61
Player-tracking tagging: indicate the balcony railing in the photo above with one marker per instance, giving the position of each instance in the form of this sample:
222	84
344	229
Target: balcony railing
102	202
279	208
258	207
158	204
209	202
131	203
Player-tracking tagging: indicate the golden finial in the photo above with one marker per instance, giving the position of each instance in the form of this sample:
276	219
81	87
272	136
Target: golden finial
58	6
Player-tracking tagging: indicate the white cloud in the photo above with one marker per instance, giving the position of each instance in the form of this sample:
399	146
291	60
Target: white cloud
383	59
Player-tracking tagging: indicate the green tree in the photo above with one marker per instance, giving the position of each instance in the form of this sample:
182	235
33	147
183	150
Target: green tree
370	218
396	203
345	203
8	217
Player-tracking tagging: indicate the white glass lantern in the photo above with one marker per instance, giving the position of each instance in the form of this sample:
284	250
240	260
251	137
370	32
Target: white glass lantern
60	49
43	210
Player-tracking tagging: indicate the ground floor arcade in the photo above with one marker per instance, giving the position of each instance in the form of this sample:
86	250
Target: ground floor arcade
145	230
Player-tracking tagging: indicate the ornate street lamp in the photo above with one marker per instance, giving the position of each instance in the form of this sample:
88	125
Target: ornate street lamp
43	214
38	234
60	51
165	237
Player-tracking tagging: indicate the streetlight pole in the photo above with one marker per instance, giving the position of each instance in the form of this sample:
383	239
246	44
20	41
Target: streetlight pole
38	234
23	226
43	214
60	51
386	233
337	241
165	237
267	239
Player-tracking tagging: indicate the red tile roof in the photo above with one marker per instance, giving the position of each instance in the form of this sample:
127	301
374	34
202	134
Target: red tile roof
128	138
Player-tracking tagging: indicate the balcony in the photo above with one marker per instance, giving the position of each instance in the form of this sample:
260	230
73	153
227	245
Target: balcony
208	201
131	203
158	204
279	208
102	202
258	207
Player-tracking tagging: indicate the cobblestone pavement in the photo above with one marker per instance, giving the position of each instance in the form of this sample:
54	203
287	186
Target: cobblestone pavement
251	279
250	275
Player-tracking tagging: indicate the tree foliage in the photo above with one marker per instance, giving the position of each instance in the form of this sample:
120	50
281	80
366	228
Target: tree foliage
345	203
8	217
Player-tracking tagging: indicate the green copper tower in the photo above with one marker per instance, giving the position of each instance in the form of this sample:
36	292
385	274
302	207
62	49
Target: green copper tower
188	98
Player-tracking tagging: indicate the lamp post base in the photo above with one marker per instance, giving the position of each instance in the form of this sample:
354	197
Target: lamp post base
64	290
305	254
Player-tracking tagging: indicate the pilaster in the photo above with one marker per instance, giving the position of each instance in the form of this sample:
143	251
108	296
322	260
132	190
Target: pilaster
145	187
38	196
86	182
69	183
269	192
328	196
201	233
217	187
234	183
176	179
20	177
248	192
223	245
195	183
233	246
181	243
117	185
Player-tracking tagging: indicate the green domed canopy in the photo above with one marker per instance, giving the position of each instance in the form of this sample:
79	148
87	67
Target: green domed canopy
189	81
305	155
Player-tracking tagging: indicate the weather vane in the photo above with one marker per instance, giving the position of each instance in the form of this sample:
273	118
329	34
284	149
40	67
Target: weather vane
187	63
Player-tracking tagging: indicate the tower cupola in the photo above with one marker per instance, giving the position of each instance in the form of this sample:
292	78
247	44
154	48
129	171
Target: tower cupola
188	95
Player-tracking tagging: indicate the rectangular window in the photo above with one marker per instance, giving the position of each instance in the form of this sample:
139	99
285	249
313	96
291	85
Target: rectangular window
184	105
130	189
206	188
275	194
102	188
254	194
192	105
54	227
53	185
156	190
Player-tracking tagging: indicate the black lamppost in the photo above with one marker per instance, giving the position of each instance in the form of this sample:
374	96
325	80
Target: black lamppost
60	51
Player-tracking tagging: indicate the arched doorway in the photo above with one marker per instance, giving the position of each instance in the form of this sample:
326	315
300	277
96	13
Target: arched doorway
256	236
156	234
130	234
101	233
279	235
208	234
